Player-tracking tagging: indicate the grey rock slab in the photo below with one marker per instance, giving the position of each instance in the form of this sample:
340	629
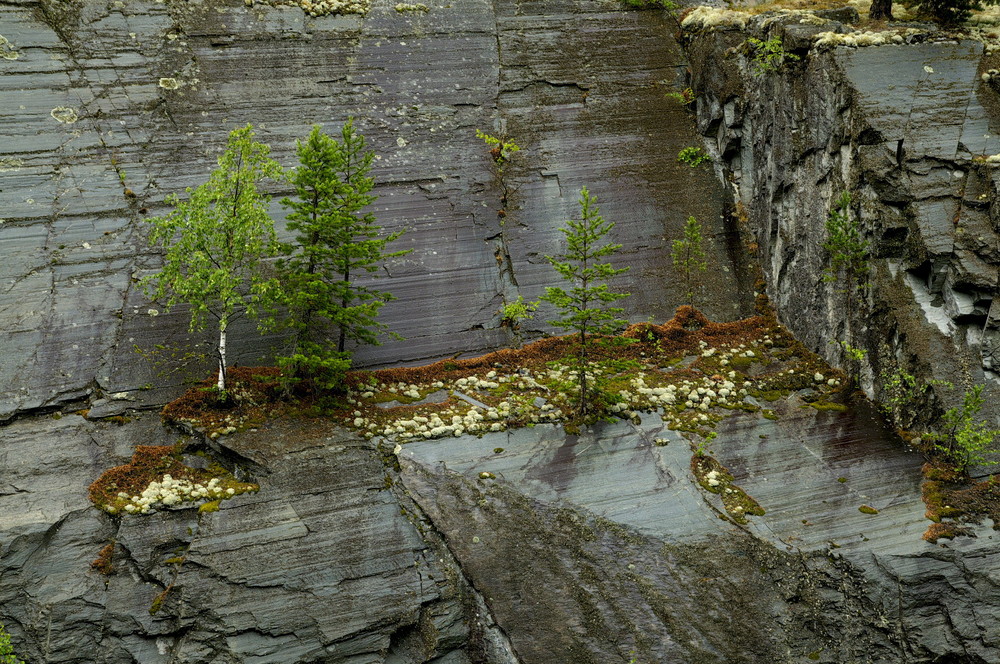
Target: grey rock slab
614	471
609	590
419	85
320	565
795	470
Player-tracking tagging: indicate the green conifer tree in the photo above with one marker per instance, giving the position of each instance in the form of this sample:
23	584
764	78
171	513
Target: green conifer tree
215	243
585	307
335	242
689	257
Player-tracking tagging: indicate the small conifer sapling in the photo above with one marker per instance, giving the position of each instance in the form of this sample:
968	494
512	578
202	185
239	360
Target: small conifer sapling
585	307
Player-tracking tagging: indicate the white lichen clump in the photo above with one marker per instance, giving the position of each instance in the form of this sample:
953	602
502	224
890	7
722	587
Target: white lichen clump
7	50
64	114
168	492
857	39
711	18
411	7
169	83
325	7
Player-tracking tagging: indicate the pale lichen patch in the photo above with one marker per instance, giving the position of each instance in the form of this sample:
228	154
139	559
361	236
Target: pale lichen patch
411	7
64	114
168	83
7	50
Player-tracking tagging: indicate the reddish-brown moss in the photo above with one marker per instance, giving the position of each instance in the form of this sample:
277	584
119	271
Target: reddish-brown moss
104	563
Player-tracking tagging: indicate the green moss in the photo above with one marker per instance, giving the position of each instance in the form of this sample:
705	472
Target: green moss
827	405
867	509
210	506
768	414
174	561
741	363
814	655
841	479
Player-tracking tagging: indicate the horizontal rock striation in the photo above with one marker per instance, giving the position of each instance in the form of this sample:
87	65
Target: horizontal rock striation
908	131
110	108
324	564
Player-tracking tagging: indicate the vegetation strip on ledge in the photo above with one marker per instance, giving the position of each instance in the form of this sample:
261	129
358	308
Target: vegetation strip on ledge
157	478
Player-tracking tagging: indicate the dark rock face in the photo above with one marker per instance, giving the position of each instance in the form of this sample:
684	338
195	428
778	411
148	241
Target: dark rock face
907	131
323	564
149	91
602	544
596	547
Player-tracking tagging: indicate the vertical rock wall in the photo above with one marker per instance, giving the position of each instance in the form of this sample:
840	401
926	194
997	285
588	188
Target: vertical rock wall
905	129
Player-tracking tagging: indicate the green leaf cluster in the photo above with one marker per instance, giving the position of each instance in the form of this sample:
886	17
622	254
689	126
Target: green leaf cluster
7	655
216	242
585	307
693	156
688	256
501	149
518	310
965	439
768	55
219	245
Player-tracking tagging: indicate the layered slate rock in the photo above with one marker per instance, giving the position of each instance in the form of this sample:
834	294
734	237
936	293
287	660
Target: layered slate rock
602	544
907	130
321	565
110	108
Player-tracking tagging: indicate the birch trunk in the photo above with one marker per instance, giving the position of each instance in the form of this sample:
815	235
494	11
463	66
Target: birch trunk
223	322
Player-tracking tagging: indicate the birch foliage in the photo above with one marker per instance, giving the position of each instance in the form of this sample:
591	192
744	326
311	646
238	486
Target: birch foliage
216	242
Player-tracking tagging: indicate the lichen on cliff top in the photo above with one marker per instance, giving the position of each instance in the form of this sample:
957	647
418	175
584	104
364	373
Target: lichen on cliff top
318	8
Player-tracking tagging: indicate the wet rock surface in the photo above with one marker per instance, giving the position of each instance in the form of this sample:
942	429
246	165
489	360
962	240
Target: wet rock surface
611	524
321	565
110	108
907	131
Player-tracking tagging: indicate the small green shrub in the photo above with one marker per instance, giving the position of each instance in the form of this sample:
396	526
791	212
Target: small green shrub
856	354
517	311
501	148
848	251
693	156
767	56
967	440
688	256
6	650
684	97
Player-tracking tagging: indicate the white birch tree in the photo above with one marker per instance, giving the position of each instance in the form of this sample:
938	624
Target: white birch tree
215	243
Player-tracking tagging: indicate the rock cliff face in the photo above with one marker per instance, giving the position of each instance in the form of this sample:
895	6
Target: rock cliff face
597	547
907	131
111	107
